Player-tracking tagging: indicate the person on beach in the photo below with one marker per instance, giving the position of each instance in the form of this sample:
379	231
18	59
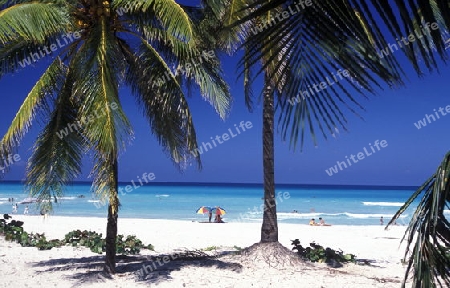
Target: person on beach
218	219
381	220
210	216
322	222
44	213
25	211
312	222
14	208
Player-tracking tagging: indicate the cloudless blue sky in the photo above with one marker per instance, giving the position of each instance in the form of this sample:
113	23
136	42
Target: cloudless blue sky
411	156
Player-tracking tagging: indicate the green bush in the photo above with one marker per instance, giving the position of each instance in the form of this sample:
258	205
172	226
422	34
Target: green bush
13	231
89	239
316	253
97	244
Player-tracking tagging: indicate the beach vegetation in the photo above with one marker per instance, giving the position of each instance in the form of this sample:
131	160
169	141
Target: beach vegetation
317	253
13	231
76	99
129	245
237	248
210	248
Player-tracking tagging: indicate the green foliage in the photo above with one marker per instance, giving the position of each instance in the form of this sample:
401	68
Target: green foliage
210	248
427	236
316	253
131	245
89	239
13	231
97	244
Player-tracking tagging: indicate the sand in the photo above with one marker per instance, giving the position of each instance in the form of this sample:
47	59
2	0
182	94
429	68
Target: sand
79	267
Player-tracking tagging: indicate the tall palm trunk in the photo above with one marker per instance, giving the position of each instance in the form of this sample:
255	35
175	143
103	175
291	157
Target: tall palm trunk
269	229
111	227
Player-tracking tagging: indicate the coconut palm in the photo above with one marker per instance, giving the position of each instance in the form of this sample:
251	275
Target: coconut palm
294	53
152	47
424	26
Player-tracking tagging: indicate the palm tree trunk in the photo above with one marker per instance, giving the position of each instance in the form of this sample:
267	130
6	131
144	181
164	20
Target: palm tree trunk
269	229
111	227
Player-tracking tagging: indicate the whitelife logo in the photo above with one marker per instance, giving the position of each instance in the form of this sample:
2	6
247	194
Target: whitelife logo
341	74
206	146
425	29
47	50
361	155
299	6
428	117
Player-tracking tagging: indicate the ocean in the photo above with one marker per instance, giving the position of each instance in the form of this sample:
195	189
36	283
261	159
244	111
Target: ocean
339	205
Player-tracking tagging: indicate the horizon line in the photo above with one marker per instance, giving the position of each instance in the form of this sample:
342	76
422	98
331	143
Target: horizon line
236	183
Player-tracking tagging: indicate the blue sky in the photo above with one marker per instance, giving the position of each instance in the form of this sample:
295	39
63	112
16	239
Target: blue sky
410	157
411	154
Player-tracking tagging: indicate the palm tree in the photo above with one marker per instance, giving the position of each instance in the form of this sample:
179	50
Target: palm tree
423	30
293	54
145	45
230	39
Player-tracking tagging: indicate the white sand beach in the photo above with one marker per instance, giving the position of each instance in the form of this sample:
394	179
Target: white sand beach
78	267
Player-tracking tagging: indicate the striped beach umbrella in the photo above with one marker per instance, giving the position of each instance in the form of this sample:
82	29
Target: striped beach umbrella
219	211
203	210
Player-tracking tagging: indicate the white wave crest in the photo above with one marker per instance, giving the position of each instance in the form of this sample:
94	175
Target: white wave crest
391	204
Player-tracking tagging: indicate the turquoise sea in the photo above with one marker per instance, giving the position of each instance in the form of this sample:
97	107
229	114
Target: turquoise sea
340	205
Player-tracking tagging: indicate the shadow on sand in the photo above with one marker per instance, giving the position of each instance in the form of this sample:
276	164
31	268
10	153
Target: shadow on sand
144	269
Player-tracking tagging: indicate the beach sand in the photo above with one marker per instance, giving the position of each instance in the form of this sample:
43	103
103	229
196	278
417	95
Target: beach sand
79	267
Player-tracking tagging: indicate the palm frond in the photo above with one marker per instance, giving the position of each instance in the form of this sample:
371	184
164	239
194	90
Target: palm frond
16	54
162	100
99	74
37	100
57	153
99	66
308	50
429	231
33	22
230	36
104	185
203	68
198	63
170	14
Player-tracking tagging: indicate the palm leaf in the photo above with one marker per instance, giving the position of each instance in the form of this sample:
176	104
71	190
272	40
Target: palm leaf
57	153
33	22
107	129
37	100
170	14
163	102
429	231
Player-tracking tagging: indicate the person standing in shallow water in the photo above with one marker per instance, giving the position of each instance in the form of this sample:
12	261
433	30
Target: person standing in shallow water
381	220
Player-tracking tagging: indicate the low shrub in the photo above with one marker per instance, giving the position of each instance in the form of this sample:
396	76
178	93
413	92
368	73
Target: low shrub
13	231
316	253
97	244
